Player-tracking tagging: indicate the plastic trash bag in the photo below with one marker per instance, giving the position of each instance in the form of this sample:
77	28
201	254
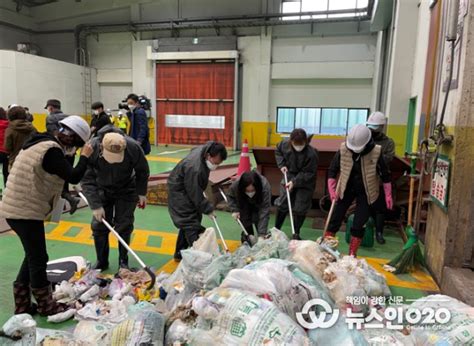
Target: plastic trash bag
338	334
280	281
244	319
207	242
177	333
310	257
274	247
62	316
92	332
21	326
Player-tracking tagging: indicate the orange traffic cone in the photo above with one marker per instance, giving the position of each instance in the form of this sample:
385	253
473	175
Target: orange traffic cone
244	163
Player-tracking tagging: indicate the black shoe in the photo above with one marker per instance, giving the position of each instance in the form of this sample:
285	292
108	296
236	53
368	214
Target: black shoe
73	202
123	265
380	239
100	266
296	236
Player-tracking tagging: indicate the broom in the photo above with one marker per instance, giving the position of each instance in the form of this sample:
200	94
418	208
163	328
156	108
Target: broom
411	255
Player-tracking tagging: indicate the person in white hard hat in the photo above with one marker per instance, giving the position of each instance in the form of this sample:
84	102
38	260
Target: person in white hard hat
360	166
33	188
376	124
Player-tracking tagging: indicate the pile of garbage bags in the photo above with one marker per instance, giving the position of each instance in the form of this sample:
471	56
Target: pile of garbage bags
253	296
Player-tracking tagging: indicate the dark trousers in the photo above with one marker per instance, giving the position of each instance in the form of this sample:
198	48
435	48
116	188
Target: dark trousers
361	215
4	162
301	200
33	269
186	238
378	211
119	212
249	219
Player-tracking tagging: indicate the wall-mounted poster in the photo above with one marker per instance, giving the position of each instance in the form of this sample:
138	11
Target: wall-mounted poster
440	183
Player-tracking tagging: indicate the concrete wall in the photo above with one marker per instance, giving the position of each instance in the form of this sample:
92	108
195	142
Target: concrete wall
30	80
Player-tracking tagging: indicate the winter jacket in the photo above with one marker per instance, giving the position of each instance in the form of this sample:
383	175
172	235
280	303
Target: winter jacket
99	121
31	192
251	205
17	133
52	121
139	128
186	185
360	172
387	144
126	179
3	128
302	166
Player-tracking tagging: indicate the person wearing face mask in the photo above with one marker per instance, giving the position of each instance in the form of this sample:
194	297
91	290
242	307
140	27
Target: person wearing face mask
376	124
138	123
55	116
99	117
33	188
250	199
361	168
116	182
186	184
300	162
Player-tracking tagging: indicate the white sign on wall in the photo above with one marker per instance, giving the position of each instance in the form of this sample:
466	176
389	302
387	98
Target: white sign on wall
195	121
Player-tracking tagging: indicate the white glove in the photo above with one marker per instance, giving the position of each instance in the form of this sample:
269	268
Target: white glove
99	214
236	215
141	202
284	169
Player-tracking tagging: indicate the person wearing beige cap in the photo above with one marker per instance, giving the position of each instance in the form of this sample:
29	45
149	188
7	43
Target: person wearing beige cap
115	182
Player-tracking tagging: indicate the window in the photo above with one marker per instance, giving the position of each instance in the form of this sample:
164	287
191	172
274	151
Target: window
298	6
324	121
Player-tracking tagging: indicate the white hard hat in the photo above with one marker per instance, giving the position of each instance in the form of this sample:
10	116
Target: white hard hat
358	137
377	118
78	125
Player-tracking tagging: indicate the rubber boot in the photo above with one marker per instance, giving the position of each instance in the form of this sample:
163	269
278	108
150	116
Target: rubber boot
123	253
47	306
101	243
299	220
279	219
73	201
329	234
354	245
22	297
379	226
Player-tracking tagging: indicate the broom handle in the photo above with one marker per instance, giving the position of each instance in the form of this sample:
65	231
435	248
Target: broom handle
289	204
410	200
326	225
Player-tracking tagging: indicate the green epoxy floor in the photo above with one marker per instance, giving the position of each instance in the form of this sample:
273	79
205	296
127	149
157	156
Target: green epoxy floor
72	237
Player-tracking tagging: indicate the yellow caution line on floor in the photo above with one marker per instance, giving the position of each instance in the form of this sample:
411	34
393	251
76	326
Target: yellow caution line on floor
421	280
163	159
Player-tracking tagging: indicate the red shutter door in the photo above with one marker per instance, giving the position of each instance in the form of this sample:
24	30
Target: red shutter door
195	102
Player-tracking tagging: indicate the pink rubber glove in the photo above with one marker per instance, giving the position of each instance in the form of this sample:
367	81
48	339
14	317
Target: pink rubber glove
387	188
332	189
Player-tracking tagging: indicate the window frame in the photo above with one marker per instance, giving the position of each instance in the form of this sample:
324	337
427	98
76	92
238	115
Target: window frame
320	118
327	15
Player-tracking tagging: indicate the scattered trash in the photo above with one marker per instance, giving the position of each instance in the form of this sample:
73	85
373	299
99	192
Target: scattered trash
62	316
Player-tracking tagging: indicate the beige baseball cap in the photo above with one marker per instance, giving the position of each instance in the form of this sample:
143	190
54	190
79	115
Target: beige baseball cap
114	145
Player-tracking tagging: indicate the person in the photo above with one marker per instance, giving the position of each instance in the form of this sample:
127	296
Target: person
138	123
55	115
99	117
299	160
29	116
186	185
376	124
19	130
122	122
360	166
3	150
33	188
250	199
115	181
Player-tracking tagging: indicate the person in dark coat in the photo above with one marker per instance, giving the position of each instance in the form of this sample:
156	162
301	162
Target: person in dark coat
376	123
116	181
138	123
356	173
300	162
18	132
250	200
99	117
186	185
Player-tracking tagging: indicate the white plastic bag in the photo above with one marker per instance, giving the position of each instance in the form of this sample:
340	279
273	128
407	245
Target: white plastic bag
207	242
23	326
